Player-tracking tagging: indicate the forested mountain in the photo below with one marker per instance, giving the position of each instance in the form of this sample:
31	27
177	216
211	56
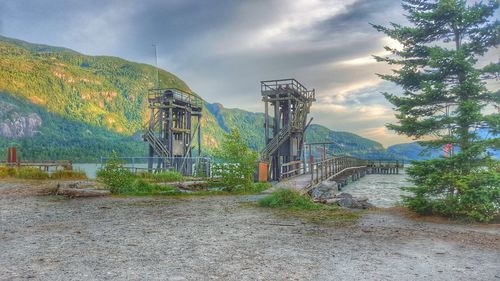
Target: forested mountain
56	103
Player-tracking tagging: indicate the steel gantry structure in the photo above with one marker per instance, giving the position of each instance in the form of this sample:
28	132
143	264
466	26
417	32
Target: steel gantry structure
170	131
284	130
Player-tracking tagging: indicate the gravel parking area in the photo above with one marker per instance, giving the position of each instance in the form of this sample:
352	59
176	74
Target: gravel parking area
223	238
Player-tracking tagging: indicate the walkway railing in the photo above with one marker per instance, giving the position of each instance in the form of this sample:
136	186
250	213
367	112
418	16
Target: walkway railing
338	166
327	168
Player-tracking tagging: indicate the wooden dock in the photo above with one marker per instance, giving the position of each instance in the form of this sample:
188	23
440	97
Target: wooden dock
42	165
339	169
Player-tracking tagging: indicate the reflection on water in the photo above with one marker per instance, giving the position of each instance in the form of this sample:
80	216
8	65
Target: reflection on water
381	190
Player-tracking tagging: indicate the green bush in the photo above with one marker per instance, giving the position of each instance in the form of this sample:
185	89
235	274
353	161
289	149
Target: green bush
121	181
239	162
288	199
442	188
69	174
166	176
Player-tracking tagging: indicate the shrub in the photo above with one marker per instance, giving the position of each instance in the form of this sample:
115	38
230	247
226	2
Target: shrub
239	162
68	174
441	188
121	181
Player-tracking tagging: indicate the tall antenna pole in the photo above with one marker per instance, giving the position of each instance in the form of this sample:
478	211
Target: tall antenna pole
156	61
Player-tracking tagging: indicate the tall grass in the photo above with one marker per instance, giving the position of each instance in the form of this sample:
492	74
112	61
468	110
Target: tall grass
166	176
30	173
69	174
36	173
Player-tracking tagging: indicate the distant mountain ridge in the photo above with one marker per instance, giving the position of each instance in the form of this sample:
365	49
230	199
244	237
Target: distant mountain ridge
60	104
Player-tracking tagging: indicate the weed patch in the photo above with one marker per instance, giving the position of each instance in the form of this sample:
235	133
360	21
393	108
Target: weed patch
288	203
167	176
69	174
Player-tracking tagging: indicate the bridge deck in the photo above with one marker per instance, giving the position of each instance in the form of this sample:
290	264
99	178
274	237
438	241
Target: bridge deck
299	183
339	169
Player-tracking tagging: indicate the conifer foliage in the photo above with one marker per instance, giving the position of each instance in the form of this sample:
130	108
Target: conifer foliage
445	101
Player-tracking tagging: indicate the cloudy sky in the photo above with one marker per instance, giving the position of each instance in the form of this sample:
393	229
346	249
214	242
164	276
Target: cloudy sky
222	49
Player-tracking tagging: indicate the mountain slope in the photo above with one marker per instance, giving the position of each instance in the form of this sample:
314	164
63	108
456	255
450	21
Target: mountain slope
101	91
57	103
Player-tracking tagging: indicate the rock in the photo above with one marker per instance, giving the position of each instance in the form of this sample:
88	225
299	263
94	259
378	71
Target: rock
15	124
346	200
323	191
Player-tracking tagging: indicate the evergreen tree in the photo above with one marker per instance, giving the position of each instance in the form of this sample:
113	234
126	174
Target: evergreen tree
445	101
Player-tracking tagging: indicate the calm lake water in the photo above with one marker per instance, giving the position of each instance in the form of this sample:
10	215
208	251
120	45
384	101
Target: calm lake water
381	190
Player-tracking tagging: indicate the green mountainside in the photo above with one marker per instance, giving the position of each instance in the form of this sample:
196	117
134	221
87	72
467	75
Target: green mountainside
56	103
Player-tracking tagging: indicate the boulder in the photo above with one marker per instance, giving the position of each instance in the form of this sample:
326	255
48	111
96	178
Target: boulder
324	190
346	200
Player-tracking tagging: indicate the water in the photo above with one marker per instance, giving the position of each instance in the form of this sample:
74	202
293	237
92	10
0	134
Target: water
381	190
91	168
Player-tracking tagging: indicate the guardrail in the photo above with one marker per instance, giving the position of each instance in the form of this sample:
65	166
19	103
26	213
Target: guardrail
292	169
188	166
288	84
337	166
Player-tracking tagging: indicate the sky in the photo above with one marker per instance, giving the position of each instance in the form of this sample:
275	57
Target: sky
223	49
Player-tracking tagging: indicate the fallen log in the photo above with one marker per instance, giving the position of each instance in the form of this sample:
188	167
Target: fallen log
187	184
74	189
82	192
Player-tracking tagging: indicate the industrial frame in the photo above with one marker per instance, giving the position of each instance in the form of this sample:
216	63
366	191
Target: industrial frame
170	131
284	131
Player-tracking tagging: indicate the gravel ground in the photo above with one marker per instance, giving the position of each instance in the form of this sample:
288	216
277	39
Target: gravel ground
219	238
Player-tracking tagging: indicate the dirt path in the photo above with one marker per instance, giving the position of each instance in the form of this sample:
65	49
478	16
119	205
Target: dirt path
219	238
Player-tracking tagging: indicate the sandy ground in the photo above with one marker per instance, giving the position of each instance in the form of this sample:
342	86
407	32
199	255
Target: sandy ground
221	238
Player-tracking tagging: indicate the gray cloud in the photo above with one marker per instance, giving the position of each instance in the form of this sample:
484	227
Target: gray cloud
222	49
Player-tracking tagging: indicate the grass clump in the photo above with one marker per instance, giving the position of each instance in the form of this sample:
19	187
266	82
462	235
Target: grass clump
6	172
288	199
166	176
290	203
69	174
30	173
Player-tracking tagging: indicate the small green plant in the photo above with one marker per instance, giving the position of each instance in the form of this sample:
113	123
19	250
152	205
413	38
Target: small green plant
68	174
115	176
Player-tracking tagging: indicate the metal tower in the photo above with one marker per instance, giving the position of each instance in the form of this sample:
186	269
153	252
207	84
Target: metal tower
291	102
169	132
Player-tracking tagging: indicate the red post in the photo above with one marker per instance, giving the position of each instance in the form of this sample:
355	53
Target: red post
14	155
9	155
